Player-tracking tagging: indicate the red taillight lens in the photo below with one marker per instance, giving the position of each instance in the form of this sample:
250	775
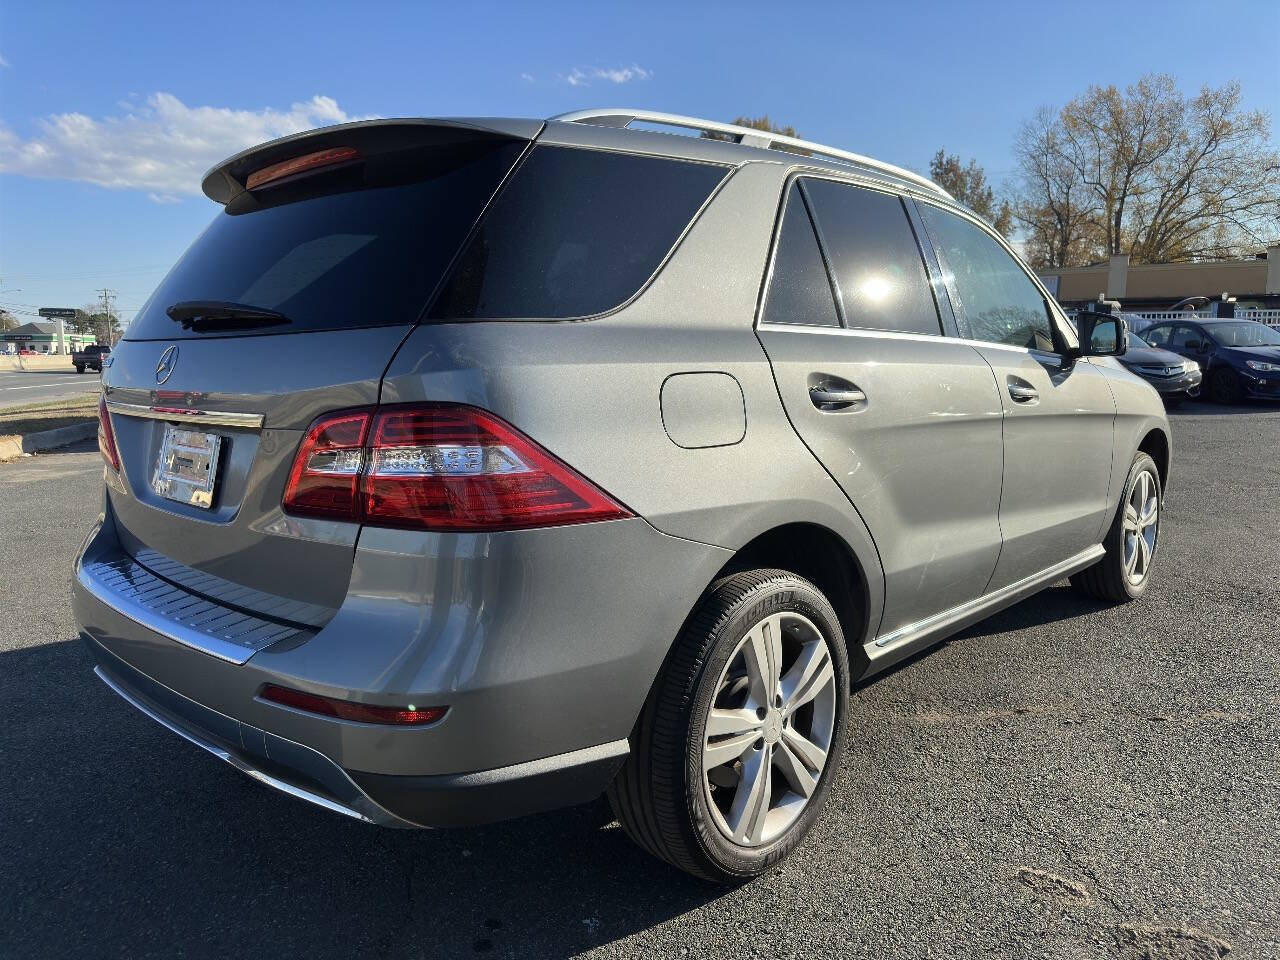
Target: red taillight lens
443	467
325	479
348	710
107	437
295	166
452	467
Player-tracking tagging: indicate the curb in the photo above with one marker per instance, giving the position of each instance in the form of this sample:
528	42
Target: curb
13	447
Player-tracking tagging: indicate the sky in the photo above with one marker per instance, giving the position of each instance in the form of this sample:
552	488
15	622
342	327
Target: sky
110	113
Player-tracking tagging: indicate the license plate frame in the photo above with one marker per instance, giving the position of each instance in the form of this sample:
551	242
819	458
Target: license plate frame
187	467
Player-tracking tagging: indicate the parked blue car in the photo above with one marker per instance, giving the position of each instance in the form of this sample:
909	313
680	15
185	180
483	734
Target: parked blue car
1240	358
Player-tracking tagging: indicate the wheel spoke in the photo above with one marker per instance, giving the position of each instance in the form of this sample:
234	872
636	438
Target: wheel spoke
728	749
751	803
813	755
1145	549
1131	553
794	770
807	678
1131	518
724	722
763	654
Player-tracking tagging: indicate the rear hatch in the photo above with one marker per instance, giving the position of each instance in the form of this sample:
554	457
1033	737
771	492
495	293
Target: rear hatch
290	305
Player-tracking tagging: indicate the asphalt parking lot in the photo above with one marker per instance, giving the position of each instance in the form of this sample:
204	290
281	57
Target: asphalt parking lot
1064	780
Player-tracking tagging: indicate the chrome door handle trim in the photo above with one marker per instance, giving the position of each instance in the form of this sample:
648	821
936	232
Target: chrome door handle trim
1023	394
827	396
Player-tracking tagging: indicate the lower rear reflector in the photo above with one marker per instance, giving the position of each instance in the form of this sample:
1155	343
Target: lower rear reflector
410	716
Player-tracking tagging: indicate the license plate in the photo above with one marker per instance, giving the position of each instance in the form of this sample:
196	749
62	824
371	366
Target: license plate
188	466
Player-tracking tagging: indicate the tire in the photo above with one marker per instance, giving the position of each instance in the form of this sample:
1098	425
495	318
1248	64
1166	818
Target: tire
1111	578
663	798
79	368
1224	387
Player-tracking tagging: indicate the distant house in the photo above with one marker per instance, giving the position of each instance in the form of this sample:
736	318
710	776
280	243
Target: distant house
42	338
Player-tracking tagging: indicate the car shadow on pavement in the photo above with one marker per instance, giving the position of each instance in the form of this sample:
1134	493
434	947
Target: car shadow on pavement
122	839
1201	409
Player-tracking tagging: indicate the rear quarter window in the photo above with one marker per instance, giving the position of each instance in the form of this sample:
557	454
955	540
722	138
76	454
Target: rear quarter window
575	233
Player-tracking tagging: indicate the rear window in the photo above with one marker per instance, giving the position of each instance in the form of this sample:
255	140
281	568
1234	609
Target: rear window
353	249
575	233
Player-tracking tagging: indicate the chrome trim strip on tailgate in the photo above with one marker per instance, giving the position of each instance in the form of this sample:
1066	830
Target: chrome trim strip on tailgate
372	813
214	418
186	618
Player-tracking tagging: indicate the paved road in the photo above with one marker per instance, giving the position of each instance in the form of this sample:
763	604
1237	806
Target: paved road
1064	780
22	387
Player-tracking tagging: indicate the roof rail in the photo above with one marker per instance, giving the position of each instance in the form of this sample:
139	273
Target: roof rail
619	117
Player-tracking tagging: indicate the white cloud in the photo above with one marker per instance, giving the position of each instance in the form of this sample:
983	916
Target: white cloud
4	62
527	77
161	146
583	76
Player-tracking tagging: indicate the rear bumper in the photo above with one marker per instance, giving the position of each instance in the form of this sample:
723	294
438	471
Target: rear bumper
541	645
388	801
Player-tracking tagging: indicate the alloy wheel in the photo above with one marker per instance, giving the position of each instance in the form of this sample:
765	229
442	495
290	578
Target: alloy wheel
1141	527
769	729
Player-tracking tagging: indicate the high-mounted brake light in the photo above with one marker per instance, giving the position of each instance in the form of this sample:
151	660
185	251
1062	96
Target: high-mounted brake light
107	436
443	467
307	163
350	710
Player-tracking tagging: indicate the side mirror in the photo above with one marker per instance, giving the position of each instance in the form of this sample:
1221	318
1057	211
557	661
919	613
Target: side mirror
1102	334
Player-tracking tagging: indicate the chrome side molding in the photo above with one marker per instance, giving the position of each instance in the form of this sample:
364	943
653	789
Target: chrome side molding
903	641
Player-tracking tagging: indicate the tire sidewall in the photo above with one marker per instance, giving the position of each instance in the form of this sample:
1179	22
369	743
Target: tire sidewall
795	596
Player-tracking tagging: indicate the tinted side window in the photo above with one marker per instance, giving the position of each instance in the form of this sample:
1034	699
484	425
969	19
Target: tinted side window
1157	336
575	233
874	256
799	290
1000	302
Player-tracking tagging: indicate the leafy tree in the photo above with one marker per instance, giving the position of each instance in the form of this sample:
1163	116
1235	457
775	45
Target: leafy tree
968	184
1151	172
7	320
91	319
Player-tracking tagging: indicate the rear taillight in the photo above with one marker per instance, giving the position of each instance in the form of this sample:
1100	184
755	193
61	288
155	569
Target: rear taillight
325	479
437	467
350	710
107	437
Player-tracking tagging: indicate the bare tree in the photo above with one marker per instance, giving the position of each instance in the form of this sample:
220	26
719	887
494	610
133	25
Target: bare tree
1053	205
1217	190
968	184
1149	172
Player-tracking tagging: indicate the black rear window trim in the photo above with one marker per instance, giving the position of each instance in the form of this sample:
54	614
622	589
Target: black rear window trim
729	171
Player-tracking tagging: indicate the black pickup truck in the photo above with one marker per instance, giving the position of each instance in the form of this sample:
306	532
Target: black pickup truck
90	357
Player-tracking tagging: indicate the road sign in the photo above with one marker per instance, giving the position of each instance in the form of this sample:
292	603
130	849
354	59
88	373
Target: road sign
65	312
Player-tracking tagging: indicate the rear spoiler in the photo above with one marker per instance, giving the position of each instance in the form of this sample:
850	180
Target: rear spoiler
226	181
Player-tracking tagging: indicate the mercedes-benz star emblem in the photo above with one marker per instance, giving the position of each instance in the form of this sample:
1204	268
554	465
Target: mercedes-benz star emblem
168	360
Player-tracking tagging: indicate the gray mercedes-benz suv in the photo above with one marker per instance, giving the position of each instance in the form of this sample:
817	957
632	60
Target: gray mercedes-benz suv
468	468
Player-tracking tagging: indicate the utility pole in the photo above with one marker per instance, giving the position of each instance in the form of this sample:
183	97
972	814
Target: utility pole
106	297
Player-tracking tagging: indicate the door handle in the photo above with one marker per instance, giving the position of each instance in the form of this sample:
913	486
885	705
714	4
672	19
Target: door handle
832	398
1023	393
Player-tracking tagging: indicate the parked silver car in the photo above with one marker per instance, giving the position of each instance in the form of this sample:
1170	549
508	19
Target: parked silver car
468	468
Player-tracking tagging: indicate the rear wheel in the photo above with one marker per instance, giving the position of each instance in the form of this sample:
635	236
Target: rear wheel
79	368
1224	386
733	756
1125	570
